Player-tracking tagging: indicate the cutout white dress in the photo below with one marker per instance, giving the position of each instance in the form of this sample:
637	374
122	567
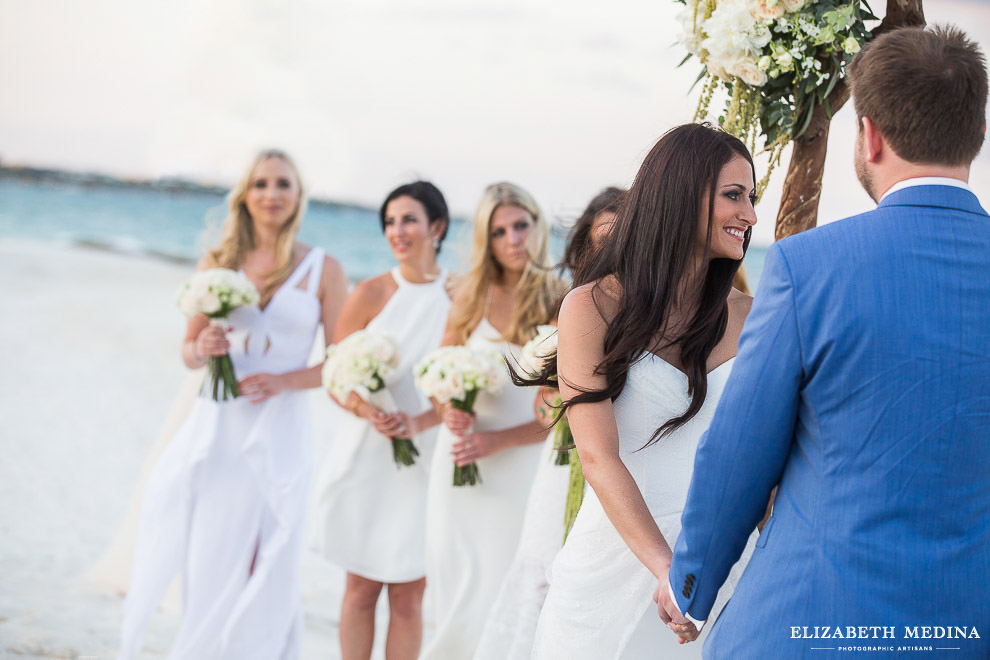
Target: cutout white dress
371	515
230	488
472	531
600	603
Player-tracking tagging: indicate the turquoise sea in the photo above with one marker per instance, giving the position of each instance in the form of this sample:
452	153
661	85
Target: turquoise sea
154	223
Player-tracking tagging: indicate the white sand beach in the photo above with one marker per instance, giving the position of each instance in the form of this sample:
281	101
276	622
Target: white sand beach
89	345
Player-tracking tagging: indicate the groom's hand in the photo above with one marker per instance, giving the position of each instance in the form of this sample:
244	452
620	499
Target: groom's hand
671	615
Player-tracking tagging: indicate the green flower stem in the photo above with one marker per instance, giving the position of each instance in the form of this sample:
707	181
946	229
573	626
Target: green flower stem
575	493
221	371
467	475
563	440
404	452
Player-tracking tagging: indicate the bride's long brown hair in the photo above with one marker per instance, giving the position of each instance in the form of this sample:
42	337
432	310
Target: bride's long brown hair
649	252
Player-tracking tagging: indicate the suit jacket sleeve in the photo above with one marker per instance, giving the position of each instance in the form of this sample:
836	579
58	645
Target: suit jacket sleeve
741	457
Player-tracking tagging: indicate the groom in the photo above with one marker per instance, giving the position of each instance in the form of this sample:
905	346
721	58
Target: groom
862	389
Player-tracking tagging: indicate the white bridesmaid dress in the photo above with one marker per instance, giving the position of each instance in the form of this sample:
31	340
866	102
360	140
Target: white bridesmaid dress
231	489
511	626
472	531
600	603
370	514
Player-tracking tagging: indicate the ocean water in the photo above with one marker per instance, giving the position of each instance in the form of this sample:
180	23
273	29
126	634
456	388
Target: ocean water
158	224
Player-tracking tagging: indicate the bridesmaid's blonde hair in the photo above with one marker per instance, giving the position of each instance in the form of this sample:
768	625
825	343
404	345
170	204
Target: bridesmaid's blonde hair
237	231
538	289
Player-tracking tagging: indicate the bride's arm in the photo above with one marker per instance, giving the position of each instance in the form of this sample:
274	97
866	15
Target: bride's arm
579	352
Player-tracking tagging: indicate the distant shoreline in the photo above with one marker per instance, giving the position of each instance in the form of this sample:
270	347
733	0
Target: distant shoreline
168	185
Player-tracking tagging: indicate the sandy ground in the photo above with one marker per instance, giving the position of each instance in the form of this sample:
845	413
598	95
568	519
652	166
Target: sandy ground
89	346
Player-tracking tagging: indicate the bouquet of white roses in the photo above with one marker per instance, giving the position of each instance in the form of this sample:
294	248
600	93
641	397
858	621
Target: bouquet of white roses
456	374
361	363
777	59
215	293
533	358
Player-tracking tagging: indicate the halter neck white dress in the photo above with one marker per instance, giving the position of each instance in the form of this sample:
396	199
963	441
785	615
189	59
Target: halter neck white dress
600	603
231	488
372	515
472	531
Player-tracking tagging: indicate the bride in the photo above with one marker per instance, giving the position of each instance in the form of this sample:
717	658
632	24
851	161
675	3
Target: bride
644	351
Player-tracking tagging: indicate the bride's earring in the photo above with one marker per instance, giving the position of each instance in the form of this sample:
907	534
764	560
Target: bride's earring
436	243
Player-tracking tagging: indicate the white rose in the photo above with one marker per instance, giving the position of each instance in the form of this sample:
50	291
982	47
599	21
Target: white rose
767	9
443	392
793	5
851	46
749	72
209	303
427	384
760	37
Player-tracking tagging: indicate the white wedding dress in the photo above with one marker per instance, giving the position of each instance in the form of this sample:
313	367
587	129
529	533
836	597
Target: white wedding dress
371	514
600	603
472	531
231	489
511	626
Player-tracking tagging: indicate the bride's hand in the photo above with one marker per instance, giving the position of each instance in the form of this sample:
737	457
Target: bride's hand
685	630
458	421
261	387
469	448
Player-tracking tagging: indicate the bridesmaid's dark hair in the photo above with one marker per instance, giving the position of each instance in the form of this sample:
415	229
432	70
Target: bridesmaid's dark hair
426	194
579	246
649	251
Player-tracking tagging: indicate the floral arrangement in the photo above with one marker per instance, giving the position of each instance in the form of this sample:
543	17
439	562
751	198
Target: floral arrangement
361	363
215	293
534	354
538	349
777	60
532	359
455	375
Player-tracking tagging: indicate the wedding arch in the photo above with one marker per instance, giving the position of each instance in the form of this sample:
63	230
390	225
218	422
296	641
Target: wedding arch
781	65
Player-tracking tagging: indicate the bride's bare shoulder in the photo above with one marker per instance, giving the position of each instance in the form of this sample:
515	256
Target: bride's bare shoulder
594	301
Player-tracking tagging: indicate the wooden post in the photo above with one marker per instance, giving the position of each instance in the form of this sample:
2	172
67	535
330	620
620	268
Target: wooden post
803	183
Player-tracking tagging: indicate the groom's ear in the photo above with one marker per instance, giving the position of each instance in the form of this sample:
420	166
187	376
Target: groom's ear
874	143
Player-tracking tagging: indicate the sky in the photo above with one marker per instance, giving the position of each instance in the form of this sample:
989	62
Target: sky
563	97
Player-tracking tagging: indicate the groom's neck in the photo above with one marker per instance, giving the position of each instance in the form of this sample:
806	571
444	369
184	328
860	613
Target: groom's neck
885	177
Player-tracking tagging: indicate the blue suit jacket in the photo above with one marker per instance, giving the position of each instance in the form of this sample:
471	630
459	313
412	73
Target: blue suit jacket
862	388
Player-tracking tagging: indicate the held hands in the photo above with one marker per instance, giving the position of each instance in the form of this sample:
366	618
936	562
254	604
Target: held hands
671	615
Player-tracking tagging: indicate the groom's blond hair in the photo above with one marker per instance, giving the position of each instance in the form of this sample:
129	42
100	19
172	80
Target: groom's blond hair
925	89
